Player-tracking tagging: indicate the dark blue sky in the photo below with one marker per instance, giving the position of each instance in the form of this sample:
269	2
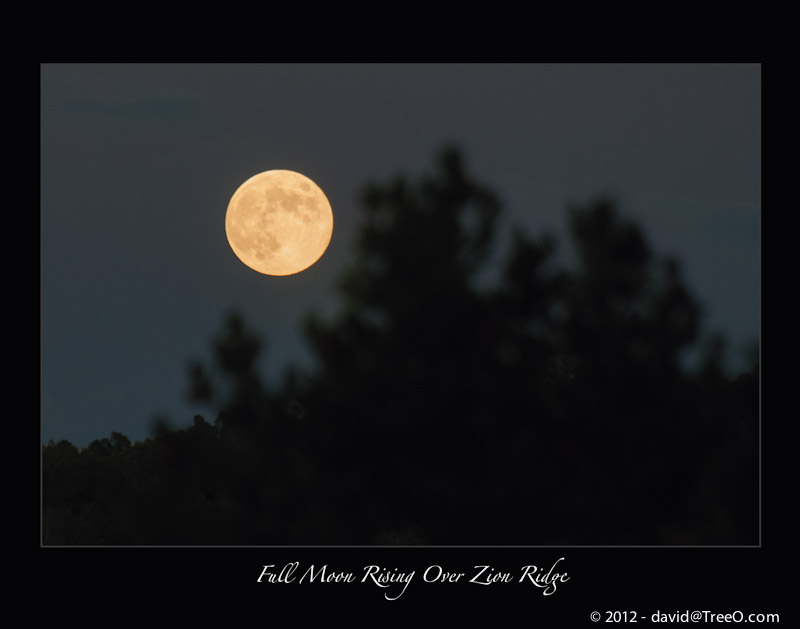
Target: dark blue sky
138	163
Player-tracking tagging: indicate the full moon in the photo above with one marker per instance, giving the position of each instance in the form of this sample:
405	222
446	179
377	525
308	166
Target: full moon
279	222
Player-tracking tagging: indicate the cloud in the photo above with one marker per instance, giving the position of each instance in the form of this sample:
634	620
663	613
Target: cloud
166	106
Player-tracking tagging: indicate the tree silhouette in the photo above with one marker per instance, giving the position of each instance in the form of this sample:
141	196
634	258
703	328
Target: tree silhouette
550	406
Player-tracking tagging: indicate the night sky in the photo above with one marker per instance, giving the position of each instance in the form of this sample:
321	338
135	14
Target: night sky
138	163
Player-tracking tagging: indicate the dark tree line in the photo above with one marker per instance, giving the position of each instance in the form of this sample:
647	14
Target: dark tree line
550	406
